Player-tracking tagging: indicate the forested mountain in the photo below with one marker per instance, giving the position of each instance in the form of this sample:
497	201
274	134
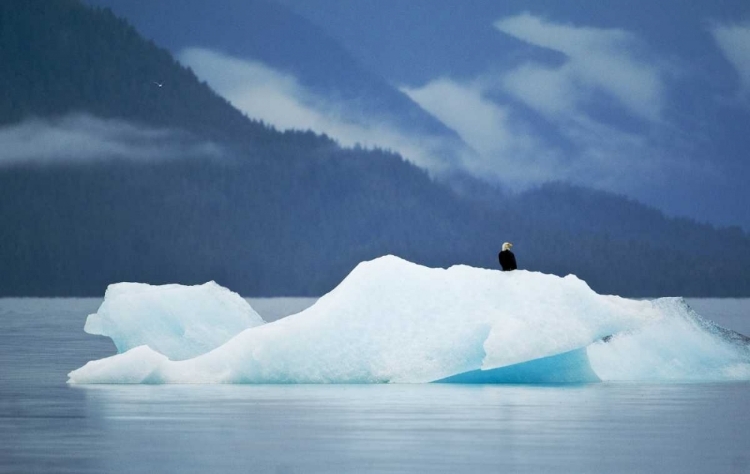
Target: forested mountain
275	213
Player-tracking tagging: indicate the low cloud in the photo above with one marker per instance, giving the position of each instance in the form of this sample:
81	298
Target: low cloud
572	120
279	99
599	60
527	125
505	150
734	42
83	138
517	152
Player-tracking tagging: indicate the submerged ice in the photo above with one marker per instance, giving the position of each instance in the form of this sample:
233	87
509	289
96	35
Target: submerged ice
394	321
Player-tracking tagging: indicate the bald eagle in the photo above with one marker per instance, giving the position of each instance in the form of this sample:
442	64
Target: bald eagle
506	257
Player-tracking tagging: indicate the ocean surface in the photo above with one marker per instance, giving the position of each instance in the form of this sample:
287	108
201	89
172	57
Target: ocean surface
49	426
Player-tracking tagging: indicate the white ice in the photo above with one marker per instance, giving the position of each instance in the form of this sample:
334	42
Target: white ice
179	322
394	321
680	346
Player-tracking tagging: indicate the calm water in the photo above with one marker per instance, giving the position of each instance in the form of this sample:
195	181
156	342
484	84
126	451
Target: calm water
48	426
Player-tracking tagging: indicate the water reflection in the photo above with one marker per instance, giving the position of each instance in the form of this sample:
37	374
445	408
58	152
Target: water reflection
417	428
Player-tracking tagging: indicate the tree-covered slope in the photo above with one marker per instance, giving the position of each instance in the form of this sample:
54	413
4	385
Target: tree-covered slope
58	57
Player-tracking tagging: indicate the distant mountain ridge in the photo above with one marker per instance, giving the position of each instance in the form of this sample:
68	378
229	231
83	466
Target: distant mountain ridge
276	213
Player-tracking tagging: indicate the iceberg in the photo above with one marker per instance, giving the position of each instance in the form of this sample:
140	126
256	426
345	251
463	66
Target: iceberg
393	321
